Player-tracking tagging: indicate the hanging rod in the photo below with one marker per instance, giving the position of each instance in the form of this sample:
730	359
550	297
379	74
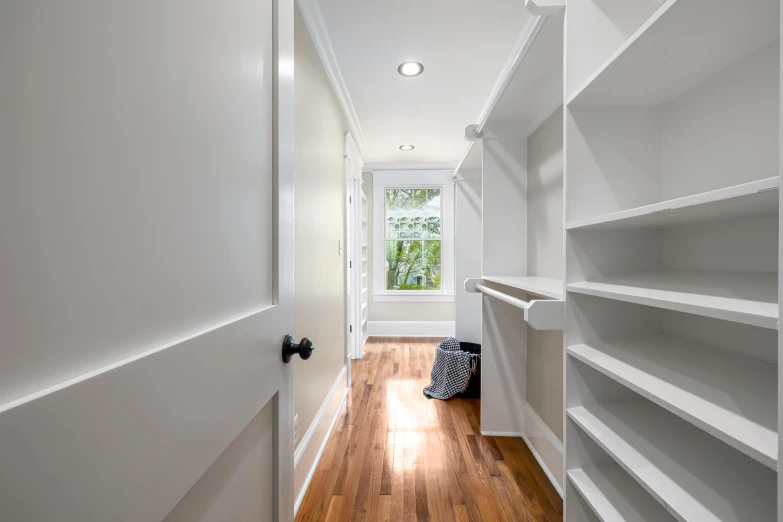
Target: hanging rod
541	314
513	301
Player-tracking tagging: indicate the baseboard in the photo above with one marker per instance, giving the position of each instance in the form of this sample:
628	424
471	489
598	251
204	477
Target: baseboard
545	447
502	433
308	453
410	328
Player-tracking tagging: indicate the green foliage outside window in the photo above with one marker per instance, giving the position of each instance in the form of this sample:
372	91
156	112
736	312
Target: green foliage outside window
413	246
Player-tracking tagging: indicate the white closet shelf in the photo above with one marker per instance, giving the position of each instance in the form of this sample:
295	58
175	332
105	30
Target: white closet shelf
543	286
614	496
695	476
748	200
728	395
675	50
742	297
541	314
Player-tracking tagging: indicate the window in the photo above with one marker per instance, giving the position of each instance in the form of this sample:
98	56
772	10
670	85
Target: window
413	238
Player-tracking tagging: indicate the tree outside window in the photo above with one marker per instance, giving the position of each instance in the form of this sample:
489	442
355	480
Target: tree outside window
413	241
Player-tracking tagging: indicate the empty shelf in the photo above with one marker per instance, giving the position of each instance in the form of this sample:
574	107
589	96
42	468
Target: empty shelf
543	286
614	497
731	396
695	476
748	298
675	51
748	200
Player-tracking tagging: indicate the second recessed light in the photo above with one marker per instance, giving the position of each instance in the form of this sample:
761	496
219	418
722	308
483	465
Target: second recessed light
407	147
410	69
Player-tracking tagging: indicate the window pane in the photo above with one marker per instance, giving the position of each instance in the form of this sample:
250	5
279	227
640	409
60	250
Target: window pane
412	213
413	265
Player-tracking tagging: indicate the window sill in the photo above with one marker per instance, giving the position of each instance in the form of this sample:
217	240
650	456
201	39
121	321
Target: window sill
417	297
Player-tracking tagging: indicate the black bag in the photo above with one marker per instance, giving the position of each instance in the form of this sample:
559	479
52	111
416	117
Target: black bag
473	391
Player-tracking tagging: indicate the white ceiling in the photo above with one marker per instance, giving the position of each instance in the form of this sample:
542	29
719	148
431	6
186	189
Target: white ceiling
463	45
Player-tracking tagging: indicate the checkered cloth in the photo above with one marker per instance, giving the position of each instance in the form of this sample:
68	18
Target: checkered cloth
451	371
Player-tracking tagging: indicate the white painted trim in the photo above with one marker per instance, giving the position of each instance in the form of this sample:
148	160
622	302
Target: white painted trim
391	178
353	156
413	178
490	433
422	297
545	447
372	167
316	26
410	328
308	453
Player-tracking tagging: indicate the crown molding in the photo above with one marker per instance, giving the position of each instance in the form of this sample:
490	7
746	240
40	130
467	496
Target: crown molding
316	26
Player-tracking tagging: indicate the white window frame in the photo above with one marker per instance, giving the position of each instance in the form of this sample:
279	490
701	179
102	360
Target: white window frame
382	180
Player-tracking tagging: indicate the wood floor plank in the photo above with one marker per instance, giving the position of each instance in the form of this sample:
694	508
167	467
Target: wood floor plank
461	514
385	509
396	456
334	509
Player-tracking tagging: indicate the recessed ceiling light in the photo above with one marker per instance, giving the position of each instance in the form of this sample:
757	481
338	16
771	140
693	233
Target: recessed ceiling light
410	69
407	147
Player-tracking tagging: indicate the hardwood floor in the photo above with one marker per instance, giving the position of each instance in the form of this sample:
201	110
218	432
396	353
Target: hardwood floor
395	455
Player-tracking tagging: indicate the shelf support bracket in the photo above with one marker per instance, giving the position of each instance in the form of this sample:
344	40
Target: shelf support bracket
472	133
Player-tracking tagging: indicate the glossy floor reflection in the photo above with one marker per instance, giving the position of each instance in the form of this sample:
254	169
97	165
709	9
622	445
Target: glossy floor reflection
394	455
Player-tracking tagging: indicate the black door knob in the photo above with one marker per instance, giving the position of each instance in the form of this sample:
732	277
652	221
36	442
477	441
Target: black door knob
304	348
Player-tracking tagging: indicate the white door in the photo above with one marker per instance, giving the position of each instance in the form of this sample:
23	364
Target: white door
146	226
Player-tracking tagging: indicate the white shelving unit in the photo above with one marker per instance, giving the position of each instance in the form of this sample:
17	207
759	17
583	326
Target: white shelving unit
614	498
674	51
513	169
729	395
677	464
748	298
672	140
757	199
365	281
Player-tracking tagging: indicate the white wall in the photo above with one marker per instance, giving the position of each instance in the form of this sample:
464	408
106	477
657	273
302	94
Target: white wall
467	231
399	311
319	273
546	259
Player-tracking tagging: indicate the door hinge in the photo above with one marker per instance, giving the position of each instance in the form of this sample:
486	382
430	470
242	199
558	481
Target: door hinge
350	200
350	264
350	328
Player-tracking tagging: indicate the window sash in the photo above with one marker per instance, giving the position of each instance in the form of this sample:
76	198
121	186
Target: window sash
387	238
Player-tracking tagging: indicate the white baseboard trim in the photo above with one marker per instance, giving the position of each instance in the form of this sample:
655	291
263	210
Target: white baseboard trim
543	444
309	451
410	328
545	447
501	433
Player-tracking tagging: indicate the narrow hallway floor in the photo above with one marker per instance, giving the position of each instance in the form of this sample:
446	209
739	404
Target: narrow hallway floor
396	456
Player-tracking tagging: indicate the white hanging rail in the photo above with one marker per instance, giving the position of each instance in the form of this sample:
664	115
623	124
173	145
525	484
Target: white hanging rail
521	49
541	314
